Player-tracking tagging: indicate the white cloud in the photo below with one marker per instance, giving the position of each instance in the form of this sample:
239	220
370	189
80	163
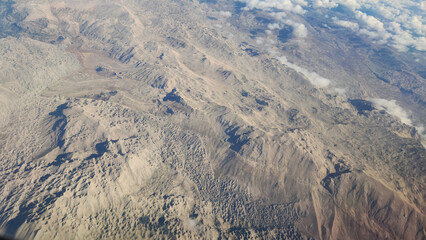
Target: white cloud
278	15
385	22
270	42
417	24
373	28
295	6
347	24
225	13
265	42
420	44
351	4
324	4
340	91
259	40
370	21
375	19
273	26
300	30
394	109
313	77
218	25
388	12
391	107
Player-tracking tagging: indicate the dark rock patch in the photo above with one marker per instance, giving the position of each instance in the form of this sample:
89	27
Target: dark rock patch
252	52
10	19
285	34
126	56
237	140
193	215
103	96
292	113
262	102
176	43
238	7
208	1
264	20
173	97
362	106
339	170
27	210
159	82
169	111
60	39
161	221
101	148
60	123
381	78
44	178
59	112
225	73
297	120
257	31
422	74
60	159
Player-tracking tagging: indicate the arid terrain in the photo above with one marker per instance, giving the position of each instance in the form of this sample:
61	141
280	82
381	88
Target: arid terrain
180	119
